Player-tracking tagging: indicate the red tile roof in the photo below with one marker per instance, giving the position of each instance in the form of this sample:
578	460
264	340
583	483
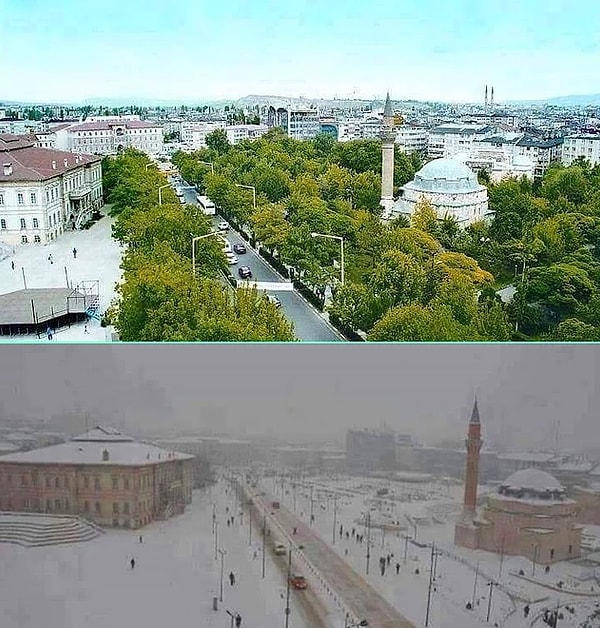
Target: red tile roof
35	164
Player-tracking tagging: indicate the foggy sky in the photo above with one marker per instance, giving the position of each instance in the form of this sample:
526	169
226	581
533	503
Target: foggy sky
312	391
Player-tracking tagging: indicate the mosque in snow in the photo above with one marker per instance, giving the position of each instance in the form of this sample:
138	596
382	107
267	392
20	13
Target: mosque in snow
448	184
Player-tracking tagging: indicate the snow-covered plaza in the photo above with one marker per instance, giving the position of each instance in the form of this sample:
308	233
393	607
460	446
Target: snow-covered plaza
98	257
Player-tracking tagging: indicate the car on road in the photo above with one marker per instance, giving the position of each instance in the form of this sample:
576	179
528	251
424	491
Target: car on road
223	226
244	272
231	258
239	248
280	549
298	581
271	298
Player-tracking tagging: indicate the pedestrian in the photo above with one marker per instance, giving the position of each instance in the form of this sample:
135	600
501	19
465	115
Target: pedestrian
238	620
526	611
389	558
74	253
12	265
141	539
49	333
85	329
231	578
50	258
397	568
132	563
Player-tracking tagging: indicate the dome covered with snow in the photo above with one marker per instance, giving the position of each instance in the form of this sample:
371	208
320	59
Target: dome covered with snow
532	483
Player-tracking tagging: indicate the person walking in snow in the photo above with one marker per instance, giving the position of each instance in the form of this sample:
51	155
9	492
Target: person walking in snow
74	253
49	333
12	265
397	568
238	620
132	563
50	258
231	578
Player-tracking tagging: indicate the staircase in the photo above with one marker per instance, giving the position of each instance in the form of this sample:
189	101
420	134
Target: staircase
92	310
35	530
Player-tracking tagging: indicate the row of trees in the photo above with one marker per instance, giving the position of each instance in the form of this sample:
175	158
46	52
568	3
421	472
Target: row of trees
403	281
160	298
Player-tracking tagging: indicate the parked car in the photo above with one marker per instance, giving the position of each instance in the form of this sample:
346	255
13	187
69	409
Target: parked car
231	258
280	549
298	581
223	226
273	299
239	248
244	272
226	247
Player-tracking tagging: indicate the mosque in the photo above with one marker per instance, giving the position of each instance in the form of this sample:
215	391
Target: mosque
529	515
449	185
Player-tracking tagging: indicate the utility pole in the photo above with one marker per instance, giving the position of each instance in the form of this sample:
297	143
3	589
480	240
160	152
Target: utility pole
475	586
216	538
368	518
430	587
405	547
214	517
249	527
287	595
334	516
222	553
489	608
264	530
311	504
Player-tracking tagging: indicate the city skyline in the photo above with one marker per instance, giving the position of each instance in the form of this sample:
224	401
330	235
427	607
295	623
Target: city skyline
206	51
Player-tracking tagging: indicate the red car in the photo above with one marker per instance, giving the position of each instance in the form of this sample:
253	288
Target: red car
298	581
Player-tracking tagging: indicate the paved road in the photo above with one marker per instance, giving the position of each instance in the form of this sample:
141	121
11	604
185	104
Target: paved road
308	324
357	593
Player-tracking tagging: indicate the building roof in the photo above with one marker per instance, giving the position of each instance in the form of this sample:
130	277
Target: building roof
533	479
445	175
89	449
30	163
16	308
458	129
106	125
535	142
475	413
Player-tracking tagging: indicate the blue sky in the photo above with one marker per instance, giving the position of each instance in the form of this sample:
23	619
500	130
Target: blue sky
69	50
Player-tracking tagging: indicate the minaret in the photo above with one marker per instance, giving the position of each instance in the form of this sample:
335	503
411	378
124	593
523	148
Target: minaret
492	98
473	444
486	98
388	137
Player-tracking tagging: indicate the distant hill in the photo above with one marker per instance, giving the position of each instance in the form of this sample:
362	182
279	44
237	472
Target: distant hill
576	100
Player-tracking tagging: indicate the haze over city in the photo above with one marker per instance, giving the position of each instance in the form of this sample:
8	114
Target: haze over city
427	50
312	392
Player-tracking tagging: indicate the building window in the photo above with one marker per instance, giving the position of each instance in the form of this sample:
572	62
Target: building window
23	224
115	508
37	239
24	239
115	483
36	223
86	482
551	553
23	480
56	483
86	506
97	484
48	505
67	505
1	199
20	199
570	549
126	484
33	198
3	223
47	482
98	509
126	508
67	483
57	504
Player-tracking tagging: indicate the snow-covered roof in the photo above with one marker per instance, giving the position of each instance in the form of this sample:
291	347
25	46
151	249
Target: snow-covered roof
90	448
533	479
527	456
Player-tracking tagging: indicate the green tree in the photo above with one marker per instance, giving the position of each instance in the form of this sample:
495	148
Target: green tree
425	217
218	142
573	330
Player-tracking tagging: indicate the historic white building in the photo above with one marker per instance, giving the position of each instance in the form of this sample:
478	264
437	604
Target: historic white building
109	136
451	188
586	146
45	192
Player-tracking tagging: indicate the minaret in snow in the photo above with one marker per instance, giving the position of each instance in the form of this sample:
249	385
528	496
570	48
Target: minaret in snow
473	444
486	97
388	137
492	98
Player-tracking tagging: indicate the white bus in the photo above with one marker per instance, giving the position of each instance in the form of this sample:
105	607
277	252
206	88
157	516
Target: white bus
208	207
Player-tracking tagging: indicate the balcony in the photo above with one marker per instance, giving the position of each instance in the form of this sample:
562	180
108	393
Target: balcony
80	192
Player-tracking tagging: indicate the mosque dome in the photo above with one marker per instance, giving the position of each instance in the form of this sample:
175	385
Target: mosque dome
446	175
532	484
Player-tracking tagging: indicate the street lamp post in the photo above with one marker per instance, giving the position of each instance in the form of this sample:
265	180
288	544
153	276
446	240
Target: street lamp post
334	516
209	163
312	516
287	595
333	237
535	552
216	538
222	553
489	608
264	530
249	187
160	189
368	541
195	239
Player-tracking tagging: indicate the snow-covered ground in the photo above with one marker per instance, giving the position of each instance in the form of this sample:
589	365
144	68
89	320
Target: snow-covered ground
98	258
420	508
176	576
